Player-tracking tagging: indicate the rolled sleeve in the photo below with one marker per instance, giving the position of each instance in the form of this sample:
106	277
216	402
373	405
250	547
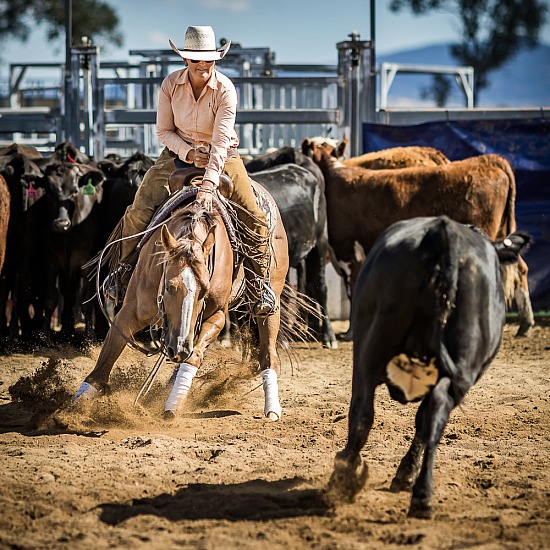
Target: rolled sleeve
166	127
224	125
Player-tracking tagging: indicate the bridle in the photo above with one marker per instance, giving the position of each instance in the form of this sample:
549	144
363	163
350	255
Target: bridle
161	308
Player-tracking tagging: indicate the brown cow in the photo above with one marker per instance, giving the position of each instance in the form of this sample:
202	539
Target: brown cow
399	157
4	218
361	203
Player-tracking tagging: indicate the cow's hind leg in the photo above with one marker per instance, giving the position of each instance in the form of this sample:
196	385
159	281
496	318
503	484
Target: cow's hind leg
434	419
349	476
523	300
316	287
409	467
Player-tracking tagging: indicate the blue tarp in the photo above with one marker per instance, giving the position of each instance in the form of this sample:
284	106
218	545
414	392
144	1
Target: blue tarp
525	143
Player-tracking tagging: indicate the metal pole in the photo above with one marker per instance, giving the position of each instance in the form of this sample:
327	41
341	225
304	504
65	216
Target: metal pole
68	72
371	99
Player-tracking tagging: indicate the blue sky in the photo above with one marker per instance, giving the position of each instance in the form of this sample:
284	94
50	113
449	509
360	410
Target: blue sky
298	31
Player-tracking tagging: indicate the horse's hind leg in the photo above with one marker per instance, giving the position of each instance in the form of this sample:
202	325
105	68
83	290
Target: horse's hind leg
269	363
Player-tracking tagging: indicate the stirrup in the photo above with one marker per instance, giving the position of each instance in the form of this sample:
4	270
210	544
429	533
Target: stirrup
267	303
114	285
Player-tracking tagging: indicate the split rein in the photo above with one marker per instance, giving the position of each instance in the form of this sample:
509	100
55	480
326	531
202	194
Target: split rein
160	297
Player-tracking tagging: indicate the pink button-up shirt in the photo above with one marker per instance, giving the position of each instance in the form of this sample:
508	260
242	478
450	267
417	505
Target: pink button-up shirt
184	123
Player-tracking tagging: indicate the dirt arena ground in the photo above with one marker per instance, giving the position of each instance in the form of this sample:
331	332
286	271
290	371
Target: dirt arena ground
221	476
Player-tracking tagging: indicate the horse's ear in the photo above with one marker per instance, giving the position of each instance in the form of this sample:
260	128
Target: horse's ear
168	240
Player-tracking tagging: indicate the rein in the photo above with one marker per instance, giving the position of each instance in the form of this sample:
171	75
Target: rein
148	384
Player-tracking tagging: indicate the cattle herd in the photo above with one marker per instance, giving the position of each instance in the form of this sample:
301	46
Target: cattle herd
57	212
419	241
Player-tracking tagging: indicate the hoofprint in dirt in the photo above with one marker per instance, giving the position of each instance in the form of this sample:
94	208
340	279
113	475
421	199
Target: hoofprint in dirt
221	476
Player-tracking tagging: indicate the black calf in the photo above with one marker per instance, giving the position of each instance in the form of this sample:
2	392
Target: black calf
428	313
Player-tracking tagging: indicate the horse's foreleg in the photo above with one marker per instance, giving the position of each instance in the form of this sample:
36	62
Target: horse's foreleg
125	325
269	363
210	330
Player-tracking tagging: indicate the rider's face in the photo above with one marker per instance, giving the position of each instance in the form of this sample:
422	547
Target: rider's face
200	70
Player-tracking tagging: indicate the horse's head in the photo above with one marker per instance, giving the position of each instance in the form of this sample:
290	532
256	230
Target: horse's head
184	286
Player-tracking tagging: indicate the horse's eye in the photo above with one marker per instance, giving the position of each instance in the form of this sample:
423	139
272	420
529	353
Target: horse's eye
172	286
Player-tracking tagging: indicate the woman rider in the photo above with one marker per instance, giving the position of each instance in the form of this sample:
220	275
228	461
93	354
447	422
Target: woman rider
196	122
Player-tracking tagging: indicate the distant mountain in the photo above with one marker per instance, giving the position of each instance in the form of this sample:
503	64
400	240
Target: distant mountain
523	82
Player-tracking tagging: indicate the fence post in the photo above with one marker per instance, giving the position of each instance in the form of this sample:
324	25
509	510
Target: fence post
354	100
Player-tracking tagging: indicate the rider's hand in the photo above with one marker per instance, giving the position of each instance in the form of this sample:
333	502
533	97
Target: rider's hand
201	157
204	195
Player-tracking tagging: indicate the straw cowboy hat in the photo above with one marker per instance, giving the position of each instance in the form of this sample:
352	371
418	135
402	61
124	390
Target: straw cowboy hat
200	45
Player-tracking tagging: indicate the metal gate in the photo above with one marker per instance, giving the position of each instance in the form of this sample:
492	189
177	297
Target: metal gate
110	107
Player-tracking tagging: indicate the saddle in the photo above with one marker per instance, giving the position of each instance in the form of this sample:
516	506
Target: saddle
183	184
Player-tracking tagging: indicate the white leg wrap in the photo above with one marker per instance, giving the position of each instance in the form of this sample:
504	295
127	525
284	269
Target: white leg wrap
86	391
182	384
271	391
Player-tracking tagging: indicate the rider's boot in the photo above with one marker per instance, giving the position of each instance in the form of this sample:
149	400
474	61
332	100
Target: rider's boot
115	284
267	302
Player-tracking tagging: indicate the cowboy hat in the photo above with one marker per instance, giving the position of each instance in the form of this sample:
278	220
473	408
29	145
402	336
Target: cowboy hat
200	45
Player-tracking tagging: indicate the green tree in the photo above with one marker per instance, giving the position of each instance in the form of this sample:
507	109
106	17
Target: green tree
92	18
492	31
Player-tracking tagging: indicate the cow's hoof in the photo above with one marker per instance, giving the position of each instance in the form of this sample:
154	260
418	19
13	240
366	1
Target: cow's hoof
169	416
524	329
332	344
399	484
346	481
421	508
272	416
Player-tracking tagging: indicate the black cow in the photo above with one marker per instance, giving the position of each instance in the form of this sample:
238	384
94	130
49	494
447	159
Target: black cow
17	165
123	177
72	236
298	187
428	313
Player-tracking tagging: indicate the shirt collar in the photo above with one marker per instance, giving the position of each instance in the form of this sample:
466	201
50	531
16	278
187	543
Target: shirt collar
183	78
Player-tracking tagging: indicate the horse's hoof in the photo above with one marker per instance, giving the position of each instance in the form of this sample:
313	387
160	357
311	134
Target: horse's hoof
169	416
272	416
421	508
85	393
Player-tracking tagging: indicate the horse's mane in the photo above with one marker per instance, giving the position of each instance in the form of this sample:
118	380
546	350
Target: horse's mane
187	219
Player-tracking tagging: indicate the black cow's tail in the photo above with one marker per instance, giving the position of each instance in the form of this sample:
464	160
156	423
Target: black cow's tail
439	253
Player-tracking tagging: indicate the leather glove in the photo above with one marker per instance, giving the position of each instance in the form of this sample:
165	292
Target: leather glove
204	195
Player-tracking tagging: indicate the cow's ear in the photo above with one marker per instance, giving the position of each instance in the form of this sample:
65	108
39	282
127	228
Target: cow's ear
340	150
95	177
307	146
108	167
512	246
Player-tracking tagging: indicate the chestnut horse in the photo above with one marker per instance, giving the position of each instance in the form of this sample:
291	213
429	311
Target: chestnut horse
185	278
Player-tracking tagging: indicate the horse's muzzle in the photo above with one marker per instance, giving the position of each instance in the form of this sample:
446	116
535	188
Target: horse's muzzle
181	353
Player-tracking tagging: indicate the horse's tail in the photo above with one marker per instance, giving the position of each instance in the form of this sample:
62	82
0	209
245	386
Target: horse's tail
297	310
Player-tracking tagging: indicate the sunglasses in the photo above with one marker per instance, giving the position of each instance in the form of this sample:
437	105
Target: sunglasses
196	61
